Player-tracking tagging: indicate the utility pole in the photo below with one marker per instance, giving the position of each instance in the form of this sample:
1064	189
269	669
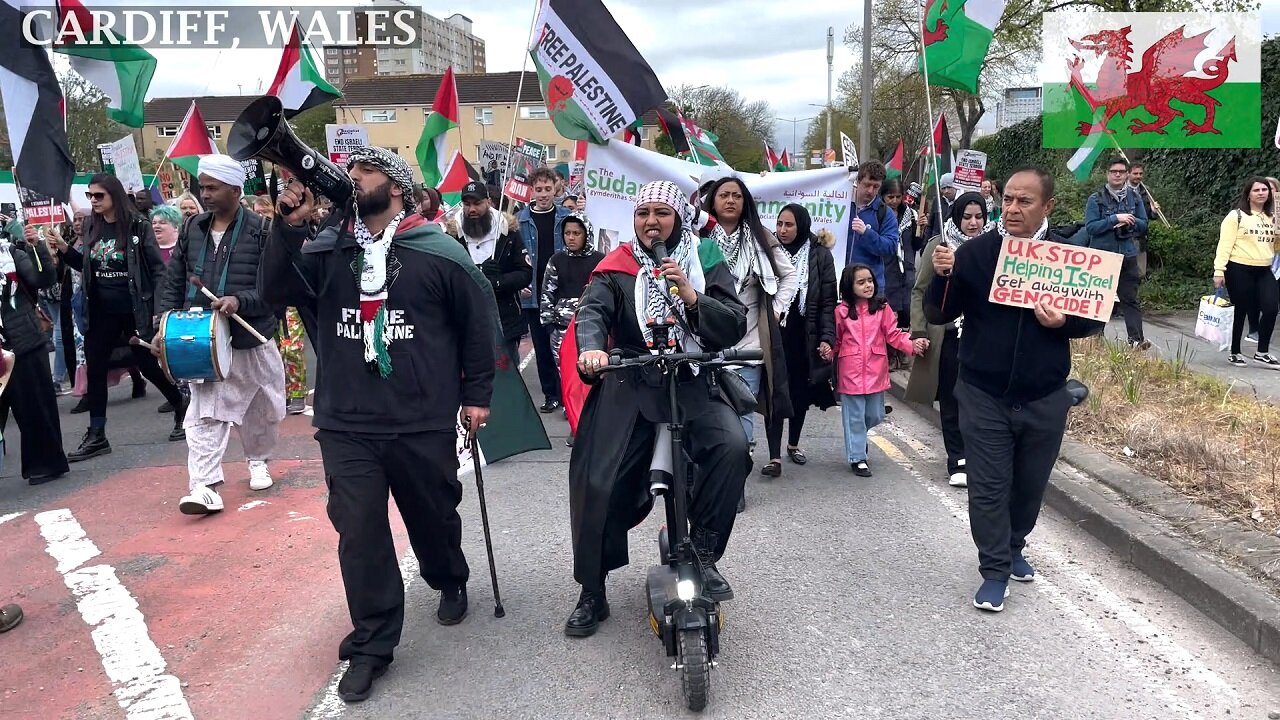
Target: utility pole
831	57
864	142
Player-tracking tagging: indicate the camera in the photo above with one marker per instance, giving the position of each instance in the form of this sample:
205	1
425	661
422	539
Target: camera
1126	232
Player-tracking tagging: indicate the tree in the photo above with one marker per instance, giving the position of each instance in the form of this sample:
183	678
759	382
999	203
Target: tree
742	126
87	123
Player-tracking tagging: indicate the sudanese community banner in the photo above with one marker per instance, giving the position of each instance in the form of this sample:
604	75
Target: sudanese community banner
615	173
1076	280
1152	79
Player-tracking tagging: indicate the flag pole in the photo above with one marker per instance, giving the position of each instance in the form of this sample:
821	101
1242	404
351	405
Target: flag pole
524	67
928	103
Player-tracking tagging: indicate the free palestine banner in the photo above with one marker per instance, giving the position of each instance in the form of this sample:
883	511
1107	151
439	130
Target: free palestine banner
1152	79
615	173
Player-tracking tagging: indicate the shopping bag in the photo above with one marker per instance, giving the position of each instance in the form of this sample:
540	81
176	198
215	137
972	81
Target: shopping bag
1213	322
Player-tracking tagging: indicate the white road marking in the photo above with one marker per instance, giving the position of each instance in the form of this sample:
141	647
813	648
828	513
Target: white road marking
295	516
332	706
525	362
131	659
1125	613
11	516
251	505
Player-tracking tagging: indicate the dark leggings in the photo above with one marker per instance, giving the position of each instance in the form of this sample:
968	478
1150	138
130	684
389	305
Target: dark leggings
106	332
774	431
1256	296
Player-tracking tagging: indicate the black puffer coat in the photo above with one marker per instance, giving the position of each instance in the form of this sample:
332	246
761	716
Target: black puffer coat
22	333
241	264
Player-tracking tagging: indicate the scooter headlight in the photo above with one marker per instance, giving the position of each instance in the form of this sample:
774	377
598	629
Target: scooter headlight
685	590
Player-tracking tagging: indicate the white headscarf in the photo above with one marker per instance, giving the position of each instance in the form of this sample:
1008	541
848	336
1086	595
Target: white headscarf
223	169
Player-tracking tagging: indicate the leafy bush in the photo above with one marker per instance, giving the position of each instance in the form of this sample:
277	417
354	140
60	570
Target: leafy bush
1165	292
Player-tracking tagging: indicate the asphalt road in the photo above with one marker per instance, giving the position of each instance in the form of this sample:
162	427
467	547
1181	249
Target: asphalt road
853	601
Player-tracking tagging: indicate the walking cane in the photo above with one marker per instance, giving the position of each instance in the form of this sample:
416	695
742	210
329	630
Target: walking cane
498	611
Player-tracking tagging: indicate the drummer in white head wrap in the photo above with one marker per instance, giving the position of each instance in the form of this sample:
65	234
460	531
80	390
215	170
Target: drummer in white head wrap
223	247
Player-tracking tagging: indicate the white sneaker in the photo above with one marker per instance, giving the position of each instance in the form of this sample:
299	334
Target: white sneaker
203	501
259	475
959	479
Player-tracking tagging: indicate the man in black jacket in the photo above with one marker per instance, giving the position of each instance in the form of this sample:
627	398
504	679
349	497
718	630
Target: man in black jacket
223	247
493	240
1012	386
407	337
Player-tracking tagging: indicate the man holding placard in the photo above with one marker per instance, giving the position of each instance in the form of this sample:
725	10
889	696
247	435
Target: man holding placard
1023	300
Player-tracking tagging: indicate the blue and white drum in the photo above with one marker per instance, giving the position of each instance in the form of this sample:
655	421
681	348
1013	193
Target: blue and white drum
195	344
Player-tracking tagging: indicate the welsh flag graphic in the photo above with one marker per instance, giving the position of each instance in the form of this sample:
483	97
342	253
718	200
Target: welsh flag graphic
593	79
121	71
956	36
1150	80
893	166
299	84
191	142
443	118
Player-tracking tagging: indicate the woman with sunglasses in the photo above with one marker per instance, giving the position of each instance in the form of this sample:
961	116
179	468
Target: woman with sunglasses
121	267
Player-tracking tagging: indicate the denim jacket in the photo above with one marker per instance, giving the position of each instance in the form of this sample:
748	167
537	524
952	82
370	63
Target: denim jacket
529	233
1100	219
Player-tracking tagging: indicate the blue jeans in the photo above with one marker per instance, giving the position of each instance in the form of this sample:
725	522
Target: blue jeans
860	413
752	374
59	361
77	310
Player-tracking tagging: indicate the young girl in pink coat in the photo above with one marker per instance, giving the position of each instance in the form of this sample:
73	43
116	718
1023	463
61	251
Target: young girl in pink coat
865	328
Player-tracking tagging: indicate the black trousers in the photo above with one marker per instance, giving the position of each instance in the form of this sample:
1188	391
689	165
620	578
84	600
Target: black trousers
1127	294
948	406
106	332
420	470
1254	292
548	373
30	396
773	431
66	324
1011	452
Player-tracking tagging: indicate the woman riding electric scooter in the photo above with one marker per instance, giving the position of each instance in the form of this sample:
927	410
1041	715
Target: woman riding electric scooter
609	490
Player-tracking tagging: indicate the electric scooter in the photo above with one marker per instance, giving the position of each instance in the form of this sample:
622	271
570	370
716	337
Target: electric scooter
686	620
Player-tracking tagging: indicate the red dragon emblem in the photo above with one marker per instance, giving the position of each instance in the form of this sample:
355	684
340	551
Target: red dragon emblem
939	32
1163	78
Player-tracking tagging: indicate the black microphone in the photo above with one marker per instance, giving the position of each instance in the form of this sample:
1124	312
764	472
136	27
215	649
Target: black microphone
659	252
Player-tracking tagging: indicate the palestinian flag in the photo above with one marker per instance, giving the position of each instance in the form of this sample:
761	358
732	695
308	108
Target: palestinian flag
443	118
632	135
120	70
956	36
784	162
299	83
594	80
1185	80
702	143
893	166
191	142
770	158
673	128
33	108
573	390
943	159
456	176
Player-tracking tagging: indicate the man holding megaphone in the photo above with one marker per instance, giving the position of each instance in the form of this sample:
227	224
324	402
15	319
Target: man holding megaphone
406	339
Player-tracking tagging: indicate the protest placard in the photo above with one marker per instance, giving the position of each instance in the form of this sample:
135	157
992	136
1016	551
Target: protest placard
971	170
528	156
493	156
1076	280
38	209
342	139
124	159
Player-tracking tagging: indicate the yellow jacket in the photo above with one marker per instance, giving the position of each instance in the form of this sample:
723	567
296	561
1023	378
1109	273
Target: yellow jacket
1245	240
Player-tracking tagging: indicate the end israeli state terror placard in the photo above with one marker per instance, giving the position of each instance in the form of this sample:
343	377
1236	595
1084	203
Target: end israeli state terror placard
1076	280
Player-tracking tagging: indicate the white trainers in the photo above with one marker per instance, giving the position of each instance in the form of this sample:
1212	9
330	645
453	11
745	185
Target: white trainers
259	475
203	501
959	479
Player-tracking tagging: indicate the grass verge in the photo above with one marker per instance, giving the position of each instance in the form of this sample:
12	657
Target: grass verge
1184	428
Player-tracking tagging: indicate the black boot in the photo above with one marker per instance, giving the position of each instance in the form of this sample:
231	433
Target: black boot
94	444
82	406
179	414
139	385
592	609
714	584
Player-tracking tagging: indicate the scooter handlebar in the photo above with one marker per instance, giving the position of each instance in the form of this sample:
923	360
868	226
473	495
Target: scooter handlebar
726	357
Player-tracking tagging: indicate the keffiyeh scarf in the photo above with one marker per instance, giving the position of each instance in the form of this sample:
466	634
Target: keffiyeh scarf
800	259
653	297
740	254
1039	234
372	279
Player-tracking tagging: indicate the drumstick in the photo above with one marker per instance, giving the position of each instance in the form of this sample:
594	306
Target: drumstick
209	294
141	343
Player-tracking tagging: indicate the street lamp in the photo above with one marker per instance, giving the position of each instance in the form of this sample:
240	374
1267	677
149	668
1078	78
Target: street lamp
793	122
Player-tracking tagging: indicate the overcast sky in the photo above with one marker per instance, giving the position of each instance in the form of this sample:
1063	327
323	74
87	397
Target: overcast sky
768	50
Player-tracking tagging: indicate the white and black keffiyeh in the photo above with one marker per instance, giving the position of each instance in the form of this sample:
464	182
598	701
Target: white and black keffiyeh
740	254
372	279
907	219
800	260
653	298
391	165
1039	234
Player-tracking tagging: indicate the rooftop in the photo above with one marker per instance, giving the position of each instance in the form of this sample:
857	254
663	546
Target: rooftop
213	108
